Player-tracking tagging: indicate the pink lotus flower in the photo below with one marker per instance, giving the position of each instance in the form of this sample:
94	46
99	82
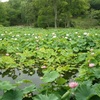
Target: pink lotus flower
73	84
44	67
91	65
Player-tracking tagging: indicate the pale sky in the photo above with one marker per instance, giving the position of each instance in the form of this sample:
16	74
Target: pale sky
4	0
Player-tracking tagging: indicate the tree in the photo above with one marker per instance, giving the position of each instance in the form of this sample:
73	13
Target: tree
45	14
4	14
55	6
95	4
71	9
15	12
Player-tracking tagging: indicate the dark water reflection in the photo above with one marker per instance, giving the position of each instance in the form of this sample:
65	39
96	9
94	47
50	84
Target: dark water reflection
14	75
31	74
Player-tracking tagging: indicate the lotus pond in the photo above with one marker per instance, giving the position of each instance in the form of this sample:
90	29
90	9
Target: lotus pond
66	63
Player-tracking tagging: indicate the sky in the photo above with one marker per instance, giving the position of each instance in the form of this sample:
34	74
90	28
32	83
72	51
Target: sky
4	0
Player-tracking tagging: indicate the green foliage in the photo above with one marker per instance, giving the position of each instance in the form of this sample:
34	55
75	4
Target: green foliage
85	23
61	81
6	60
29	89
48	13
95	4
84	92
5	85
3	14
13	92
1	25
66	96
95	14
13	95
50	76
47	97
94	97
66	54
96	88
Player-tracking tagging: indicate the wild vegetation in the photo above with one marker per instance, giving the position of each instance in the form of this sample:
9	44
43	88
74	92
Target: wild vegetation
59	40
69	60
51	13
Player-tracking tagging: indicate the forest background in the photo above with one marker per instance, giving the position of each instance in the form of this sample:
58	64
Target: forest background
51	13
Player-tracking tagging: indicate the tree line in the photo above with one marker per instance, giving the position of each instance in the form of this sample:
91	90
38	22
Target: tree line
50	13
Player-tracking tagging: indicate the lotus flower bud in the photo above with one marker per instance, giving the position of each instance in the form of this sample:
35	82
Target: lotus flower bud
73	84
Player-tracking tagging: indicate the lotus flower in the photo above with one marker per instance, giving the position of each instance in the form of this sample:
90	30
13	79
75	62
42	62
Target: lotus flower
44	67
91	65
7	54
73	84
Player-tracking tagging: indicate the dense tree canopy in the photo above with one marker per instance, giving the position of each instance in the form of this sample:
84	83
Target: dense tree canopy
48	13
95	4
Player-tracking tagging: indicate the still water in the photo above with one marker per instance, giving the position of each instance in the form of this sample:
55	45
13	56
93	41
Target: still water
15	75
18	75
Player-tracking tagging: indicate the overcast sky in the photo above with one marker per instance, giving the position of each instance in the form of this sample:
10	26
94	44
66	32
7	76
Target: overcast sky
4	0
